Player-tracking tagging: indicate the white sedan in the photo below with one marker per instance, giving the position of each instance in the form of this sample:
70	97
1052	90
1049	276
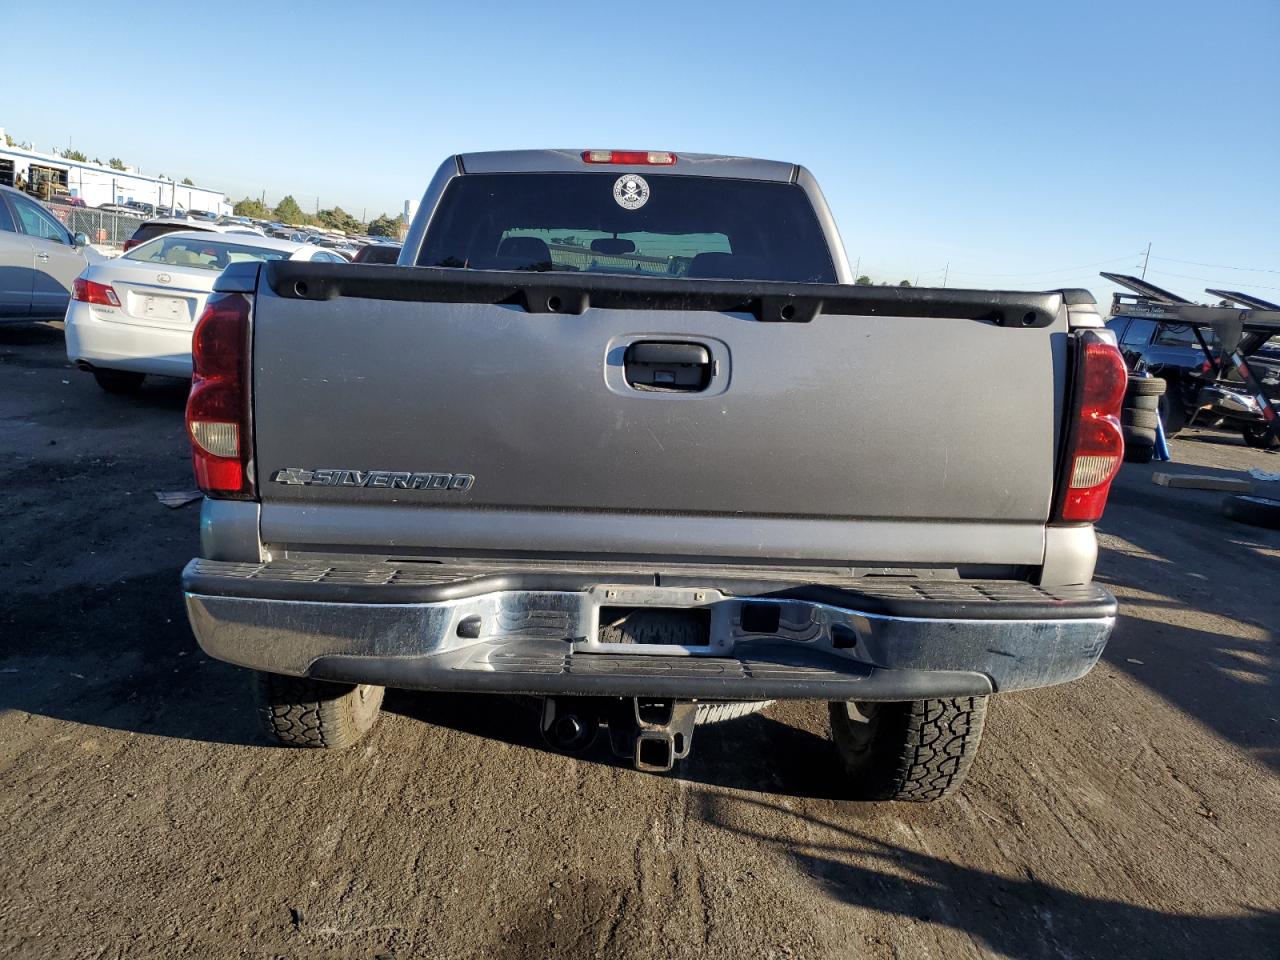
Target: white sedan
133	315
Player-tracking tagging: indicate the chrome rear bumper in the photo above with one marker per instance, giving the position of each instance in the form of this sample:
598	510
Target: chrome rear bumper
499	632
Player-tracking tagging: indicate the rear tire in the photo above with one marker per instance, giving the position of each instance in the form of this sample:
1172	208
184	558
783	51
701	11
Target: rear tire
119	381
919	751
300	712
1256	436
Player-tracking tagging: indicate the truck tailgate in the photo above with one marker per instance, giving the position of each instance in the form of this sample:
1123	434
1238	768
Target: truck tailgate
871	438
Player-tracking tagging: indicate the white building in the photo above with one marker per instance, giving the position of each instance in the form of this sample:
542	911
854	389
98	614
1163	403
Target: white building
97	183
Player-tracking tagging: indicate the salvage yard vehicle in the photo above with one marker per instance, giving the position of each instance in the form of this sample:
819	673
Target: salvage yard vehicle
133	315
619	432
162	225
1155	336
39	259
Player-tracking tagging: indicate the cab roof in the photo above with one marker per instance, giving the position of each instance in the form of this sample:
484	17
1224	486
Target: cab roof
571	161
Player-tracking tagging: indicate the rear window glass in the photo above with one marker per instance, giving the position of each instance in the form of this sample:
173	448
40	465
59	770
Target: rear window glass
1270	350
149	231
205	254
685	227
1181	335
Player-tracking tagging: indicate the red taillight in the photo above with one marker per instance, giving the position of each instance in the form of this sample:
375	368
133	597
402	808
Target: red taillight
91	292
650	158
130	244
218	405
1096	441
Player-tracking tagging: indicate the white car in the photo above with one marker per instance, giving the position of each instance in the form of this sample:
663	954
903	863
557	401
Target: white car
133	315
121	209
150	229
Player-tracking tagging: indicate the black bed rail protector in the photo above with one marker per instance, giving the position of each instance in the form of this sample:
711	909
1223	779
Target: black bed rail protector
553	292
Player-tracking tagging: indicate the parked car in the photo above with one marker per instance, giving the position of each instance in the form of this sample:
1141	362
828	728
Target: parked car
39	259
385	253
342	246
142	207
155	228
1169	349
132	316
121	210
518	467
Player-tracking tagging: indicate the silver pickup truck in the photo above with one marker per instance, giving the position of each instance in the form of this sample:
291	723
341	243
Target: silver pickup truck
619	433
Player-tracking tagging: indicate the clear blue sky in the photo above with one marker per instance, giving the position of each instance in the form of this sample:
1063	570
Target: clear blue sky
1020	142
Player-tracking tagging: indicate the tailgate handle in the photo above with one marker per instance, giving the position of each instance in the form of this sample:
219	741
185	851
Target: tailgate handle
669	366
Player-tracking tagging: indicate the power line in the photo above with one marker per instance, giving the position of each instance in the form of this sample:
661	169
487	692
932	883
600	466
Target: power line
1184	276
1217	266
1040	273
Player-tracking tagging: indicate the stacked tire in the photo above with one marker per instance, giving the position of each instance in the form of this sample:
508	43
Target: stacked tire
1139	417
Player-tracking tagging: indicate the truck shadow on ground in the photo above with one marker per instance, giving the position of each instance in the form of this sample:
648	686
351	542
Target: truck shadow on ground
800	763
121	657
1024	916
1201	566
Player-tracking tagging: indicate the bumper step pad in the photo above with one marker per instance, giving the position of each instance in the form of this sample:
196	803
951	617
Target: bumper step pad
392	581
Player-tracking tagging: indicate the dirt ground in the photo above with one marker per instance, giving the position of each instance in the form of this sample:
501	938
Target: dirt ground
1135	813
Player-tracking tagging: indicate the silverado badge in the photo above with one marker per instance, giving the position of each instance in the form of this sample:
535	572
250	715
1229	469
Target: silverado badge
378	479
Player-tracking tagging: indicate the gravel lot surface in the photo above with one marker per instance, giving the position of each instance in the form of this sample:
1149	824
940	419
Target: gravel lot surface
1135	813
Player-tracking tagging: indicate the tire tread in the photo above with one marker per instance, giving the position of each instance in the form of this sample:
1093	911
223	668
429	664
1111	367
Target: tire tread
922	751
300	712
719	712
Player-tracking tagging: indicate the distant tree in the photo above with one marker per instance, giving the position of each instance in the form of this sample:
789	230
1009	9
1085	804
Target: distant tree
862	281
339	219
76	155
186	182
97	161
8	140
115	163
251	207
384	226
288	211
905	283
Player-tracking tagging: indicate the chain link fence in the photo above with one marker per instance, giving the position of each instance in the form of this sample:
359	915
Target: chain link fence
103	228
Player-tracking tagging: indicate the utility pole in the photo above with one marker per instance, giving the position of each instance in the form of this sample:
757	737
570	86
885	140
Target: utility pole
1145	259
946	273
